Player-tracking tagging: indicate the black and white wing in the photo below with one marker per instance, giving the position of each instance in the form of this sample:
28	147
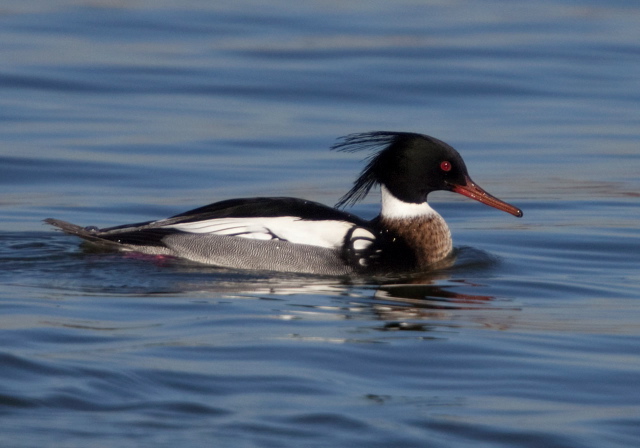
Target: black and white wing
284	219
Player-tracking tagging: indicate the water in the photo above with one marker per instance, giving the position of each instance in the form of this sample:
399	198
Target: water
115	112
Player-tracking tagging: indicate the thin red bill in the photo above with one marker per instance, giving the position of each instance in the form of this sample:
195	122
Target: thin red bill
473	191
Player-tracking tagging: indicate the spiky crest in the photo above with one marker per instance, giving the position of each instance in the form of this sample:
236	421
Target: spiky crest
366	141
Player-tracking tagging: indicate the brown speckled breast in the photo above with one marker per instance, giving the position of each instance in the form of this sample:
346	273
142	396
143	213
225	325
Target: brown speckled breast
429	237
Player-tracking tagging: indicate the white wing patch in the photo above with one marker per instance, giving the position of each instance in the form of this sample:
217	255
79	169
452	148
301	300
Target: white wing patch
244	227
329	234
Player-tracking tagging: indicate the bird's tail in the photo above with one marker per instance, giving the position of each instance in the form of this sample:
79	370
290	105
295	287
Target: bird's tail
91	234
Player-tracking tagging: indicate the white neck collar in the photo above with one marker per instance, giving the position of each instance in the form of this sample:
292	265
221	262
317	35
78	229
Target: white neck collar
394	208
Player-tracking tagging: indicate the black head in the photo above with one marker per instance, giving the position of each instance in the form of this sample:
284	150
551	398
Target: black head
411	166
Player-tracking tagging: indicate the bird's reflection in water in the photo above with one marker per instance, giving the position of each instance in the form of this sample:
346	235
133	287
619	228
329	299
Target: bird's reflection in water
430	299
412	306
442	297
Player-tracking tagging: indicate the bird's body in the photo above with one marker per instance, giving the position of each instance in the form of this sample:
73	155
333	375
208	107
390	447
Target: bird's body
295	235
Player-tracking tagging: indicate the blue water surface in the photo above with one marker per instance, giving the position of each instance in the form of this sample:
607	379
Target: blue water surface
114	112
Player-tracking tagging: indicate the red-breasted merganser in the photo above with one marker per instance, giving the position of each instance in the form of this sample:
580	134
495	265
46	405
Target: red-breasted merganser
295	235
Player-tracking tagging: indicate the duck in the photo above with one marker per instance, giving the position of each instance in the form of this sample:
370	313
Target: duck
287	234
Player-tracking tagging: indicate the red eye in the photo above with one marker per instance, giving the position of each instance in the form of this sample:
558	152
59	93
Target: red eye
445	166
